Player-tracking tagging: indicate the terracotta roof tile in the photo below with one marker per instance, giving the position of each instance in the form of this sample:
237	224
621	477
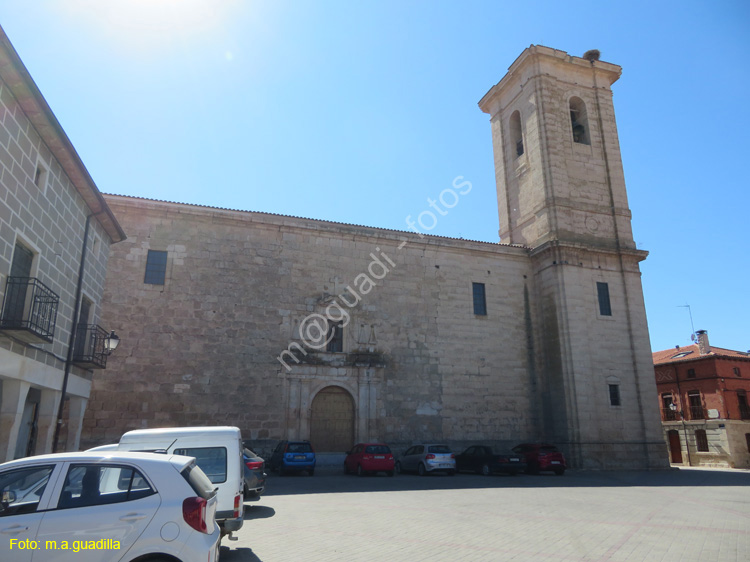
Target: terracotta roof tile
691	353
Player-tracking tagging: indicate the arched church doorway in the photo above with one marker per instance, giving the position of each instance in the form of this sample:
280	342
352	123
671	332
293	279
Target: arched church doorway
332	420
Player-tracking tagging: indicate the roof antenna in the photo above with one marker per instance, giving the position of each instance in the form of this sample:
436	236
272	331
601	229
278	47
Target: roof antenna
692	336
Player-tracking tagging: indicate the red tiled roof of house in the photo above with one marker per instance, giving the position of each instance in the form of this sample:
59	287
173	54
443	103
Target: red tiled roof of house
691	353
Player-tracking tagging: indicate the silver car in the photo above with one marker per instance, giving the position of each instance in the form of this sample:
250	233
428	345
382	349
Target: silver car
426	458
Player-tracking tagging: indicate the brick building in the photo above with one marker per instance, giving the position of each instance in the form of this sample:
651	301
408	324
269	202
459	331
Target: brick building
703	396
296	328
52	217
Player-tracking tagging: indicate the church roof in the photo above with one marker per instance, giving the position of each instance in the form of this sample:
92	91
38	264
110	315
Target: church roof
320	221
691	353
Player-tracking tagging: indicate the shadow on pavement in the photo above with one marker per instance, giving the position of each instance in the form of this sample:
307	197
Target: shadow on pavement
258	512
334	482
241	554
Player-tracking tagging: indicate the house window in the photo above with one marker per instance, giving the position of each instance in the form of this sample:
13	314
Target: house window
747	441
156	267
40	176
701	440
743	405
602	291
579	121
480	303
335	337
691	373
736	371
696	405
669	408
515	133
614	395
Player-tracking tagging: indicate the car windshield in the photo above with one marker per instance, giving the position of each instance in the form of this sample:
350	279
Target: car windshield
439	449
299	448
378	449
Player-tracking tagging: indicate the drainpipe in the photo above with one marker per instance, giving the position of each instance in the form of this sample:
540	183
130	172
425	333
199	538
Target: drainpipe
71	340
682	414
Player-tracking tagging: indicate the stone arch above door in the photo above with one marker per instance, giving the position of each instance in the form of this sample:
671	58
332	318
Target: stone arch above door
332	420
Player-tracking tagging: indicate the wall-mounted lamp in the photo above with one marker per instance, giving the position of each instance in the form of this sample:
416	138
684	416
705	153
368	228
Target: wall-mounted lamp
111	342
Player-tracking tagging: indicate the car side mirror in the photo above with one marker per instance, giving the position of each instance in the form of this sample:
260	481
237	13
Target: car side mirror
9	496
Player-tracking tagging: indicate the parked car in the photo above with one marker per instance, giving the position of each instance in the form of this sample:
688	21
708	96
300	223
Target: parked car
217	450
293	456
426	458
481	459
255	474
127	505
367	458
541	456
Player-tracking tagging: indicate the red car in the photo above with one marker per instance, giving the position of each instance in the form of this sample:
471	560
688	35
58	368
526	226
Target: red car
540	456
369	457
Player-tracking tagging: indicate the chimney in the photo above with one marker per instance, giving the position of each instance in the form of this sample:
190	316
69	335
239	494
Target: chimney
703	347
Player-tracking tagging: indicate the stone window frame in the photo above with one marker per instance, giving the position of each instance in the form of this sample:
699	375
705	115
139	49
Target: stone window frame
603	308
41	175
479	298
516	134
335	337
701	441
156	270
580	130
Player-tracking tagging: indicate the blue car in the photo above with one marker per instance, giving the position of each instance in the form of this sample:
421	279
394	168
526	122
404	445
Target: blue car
293	456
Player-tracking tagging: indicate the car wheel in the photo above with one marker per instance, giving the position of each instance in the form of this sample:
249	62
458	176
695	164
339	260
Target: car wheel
421	470
398	468
311	472
559	471
451	473
346	470
533	468
389	473
486	470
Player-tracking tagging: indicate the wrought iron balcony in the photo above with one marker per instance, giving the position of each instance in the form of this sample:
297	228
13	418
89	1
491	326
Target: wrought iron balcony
667	414
89	348
697	413
29	310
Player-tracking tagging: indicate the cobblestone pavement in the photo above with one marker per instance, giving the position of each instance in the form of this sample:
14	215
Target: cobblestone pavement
675	515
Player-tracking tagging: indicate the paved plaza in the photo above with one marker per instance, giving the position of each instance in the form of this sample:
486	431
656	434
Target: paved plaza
674	515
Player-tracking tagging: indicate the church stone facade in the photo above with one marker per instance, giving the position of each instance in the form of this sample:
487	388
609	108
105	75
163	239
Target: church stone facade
294	328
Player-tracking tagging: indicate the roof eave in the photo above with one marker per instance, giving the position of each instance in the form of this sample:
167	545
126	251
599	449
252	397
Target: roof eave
15	75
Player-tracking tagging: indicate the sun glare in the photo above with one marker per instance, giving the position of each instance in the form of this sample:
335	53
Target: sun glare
146	24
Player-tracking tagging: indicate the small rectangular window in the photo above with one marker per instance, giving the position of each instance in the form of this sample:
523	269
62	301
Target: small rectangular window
40	177
701	440
480	302
691	373
335	338
736	371
614	394
156	267
602	290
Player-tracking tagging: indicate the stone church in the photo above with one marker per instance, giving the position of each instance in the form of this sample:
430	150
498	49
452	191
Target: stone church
295	328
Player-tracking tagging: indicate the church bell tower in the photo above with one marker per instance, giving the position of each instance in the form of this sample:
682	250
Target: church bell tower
561	193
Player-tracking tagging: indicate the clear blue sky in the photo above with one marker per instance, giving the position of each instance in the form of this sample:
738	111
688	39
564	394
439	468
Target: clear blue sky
359	111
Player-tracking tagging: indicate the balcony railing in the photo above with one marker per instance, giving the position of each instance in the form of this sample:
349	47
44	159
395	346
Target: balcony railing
697	413
29	310
667	414
89	350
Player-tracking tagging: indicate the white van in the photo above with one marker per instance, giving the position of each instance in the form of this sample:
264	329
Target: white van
217	451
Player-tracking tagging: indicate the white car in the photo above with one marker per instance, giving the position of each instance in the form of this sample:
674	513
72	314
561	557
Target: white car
107	506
